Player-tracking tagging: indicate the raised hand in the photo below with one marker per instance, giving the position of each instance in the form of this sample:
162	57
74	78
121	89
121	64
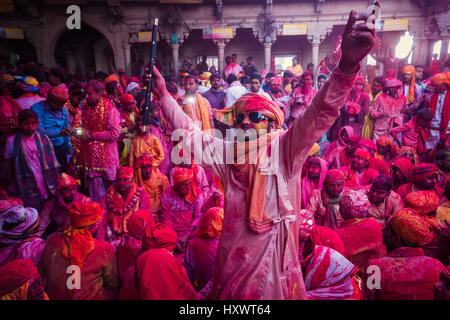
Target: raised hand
159	84
357	41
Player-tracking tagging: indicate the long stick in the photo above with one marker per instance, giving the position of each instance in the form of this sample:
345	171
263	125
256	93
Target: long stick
146	109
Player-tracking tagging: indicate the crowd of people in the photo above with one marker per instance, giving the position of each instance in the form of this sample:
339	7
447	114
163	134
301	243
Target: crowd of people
86	181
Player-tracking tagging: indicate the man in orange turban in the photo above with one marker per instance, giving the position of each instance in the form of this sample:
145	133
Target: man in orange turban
411	90
440	106
260	211
77	247
120	201
54	215
155	183
181	207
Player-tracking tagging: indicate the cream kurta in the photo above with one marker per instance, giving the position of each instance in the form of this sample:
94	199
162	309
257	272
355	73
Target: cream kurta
252	265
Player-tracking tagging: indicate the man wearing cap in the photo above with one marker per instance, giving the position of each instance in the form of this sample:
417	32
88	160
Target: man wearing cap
181	207
54	215
18	233
54	122
73	104
440	106
77	247
388	108
29	86
120	201
258	252
128	118
155	183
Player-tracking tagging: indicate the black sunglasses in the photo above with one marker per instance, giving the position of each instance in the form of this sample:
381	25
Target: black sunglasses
254	117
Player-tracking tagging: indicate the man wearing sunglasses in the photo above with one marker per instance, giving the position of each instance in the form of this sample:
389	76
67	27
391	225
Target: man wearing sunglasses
257	256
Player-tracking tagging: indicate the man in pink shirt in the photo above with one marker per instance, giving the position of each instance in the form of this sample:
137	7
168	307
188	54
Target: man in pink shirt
257	256
99	156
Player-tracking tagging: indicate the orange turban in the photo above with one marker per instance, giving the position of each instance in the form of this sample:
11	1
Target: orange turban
112	77
423	202
248	103
182	174
211	223
411	227
441	78
159	236
385	141
64	180
411	70
78	241
125	172
84	214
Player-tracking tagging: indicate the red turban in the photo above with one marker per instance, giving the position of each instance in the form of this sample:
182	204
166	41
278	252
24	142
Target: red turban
423	171
126	99
368	144
248	103
334	175
125	172
385	141
423	202
144	160
15	274
159	236
411	227
323	236
405	166
276	80
138	221
211	223
64	180
84	214
58	94
363	153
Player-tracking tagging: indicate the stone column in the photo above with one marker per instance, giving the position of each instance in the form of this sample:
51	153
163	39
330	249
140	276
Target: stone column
221	55
315	52
175	57
267	54
127	57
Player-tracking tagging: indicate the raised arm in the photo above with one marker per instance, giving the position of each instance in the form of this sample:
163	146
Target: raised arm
357	41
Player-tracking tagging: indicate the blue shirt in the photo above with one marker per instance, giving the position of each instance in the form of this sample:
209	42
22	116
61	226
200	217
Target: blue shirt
52	122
